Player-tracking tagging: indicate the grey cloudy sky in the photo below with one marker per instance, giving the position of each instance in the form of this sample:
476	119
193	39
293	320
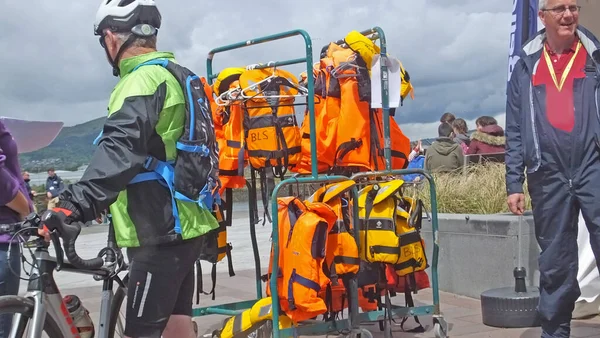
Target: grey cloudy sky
53	67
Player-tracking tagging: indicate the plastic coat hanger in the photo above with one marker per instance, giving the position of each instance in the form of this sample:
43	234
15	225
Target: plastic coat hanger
283	81
348	64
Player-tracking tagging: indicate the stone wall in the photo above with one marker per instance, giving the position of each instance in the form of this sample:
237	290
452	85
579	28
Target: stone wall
479	252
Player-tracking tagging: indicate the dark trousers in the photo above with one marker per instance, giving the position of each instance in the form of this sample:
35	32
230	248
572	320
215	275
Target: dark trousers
556	205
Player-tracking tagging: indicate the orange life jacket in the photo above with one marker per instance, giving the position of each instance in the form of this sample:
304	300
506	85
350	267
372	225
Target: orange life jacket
327	109
341	259
400	144
303	229
304	167
272	133
353	139
232	155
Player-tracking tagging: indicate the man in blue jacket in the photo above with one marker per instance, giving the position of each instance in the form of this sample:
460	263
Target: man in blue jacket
552	129
54	186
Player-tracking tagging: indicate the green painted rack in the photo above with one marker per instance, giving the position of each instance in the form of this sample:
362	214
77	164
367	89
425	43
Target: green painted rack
351	325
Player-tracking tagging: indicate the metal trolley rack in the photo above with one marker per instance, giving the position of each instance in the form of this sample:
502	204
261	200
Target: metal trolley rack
352	324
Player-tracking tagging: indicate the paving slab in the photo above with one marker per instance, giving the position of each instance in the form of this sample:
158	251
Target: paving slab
462	314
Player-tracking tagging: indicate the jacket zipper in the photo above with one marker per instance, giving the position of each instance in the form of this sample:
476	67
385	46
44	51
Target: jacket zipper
535	136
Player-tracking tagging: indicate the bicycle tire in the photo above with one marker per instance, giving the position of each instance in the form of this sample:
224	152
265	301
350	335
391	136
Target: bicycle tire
115	308
25	306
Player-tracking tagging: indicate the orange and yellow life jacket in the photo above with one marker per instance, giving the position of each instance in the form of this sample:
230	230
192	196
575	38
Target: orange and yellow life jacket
232	155
272	132
303	233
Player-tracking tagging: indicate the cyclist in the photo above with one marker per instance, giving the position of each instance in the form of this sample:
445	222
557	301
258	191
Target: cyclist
145	117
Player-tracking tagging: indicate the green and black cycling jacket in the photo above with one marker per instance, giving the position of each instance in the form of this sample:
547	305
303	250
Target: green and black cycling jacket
146	113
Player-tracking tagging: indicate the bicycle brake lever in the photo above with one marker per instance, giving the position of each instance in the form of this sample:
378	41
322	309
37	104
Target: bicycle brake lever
58	248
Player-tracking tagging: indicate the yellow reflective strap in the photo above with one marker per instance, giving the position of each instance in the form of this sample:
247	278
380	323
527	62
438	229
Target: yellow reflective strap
567	69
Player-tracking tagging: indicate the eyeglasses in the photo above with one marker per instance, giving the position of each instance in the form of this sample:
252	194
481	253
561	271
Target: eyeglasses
560	10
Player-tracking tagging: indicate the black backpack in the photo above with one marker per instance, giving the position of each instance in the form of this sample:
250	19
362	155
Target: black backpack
193	176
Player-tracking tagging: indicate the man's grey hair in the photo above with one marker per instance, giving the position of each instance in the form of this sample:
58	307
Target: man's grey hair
543	4
138	42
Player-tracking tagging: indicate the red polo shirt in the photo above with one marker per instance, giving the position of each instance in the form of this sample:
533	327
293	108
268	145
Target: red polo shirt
559	103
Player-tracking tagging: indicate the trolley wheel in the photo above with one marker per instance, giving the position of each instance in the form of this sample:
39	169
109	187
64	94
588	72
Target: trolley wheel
381	325
440	328
509	309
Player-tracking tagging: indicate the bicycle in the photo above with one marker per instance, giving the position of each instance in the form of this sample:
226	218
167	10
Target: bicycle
43	304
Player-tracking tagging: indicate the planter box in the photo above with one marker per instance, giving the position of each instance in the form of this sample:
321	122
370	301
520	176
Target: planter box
479	252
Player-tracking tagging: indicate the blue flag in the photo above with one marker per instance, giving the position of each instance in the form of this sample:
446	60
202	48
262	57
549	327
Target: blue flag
523	26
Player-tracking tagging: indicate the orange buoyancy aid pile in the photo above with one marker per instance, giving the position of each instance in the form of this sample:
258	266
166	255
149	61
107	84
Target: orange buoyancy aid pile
349	132
255	122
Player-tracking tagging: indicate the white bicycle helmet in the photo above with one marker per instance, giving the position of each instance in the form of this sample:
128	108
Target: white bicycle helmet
123	15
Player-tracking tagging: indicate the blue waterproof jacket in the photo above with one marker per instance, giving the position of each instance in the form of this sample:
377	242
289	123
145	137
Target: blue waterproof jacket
524	102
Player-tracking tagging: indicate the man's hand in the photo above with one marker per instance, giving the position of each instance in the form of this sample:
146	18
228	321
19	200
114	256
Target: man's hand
516	203
49	195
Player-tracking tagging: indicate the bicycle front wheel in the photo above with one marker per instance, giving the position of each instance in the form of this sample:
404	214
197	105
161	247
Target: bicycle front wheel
117	314
11	305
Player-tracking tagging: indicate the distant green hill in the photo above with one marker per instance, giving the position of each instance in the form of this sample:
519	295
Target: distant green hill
71	149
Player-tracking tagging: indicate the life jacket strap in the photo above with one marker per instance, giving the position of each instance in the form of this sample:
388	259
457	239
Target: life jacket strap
296	278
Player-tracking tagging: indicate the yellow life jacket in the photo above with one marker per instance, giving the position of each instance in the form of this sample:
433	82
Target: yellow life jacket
377	218
251	320
409	217
232	155
272	133
367	49
303	235
214	249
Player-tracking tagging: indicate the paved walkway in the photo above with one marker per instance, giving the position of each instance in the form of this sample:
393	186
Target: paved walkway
463	314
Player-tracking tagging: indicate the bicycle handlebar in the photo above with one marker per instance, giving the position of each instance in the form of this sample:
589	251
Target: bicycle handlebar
55	221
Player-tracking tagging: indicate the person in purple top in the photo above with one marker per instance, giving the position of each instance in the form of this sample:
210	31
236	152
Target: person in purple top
14	206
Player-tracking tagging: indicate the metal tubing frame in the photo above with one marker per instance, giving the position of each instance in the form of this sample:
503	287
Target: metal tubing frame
309	70
375	33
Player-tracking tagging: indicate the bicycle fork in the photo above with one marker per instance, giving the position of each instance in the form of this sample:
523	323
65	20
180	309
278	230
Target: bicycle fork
37	320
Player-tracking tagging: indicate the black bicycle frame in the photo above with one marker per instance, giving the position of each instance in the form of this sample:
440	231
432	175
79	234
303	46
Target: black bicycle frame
48	300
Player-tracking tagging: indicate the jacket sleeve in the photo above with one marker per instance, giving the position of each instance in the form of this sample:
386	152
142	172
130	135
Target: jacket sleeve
515	176
120	155
8	184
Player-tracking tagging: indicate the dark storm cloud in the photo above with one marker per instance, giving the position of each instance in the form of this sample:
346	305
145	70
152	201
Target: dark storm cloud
456	51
